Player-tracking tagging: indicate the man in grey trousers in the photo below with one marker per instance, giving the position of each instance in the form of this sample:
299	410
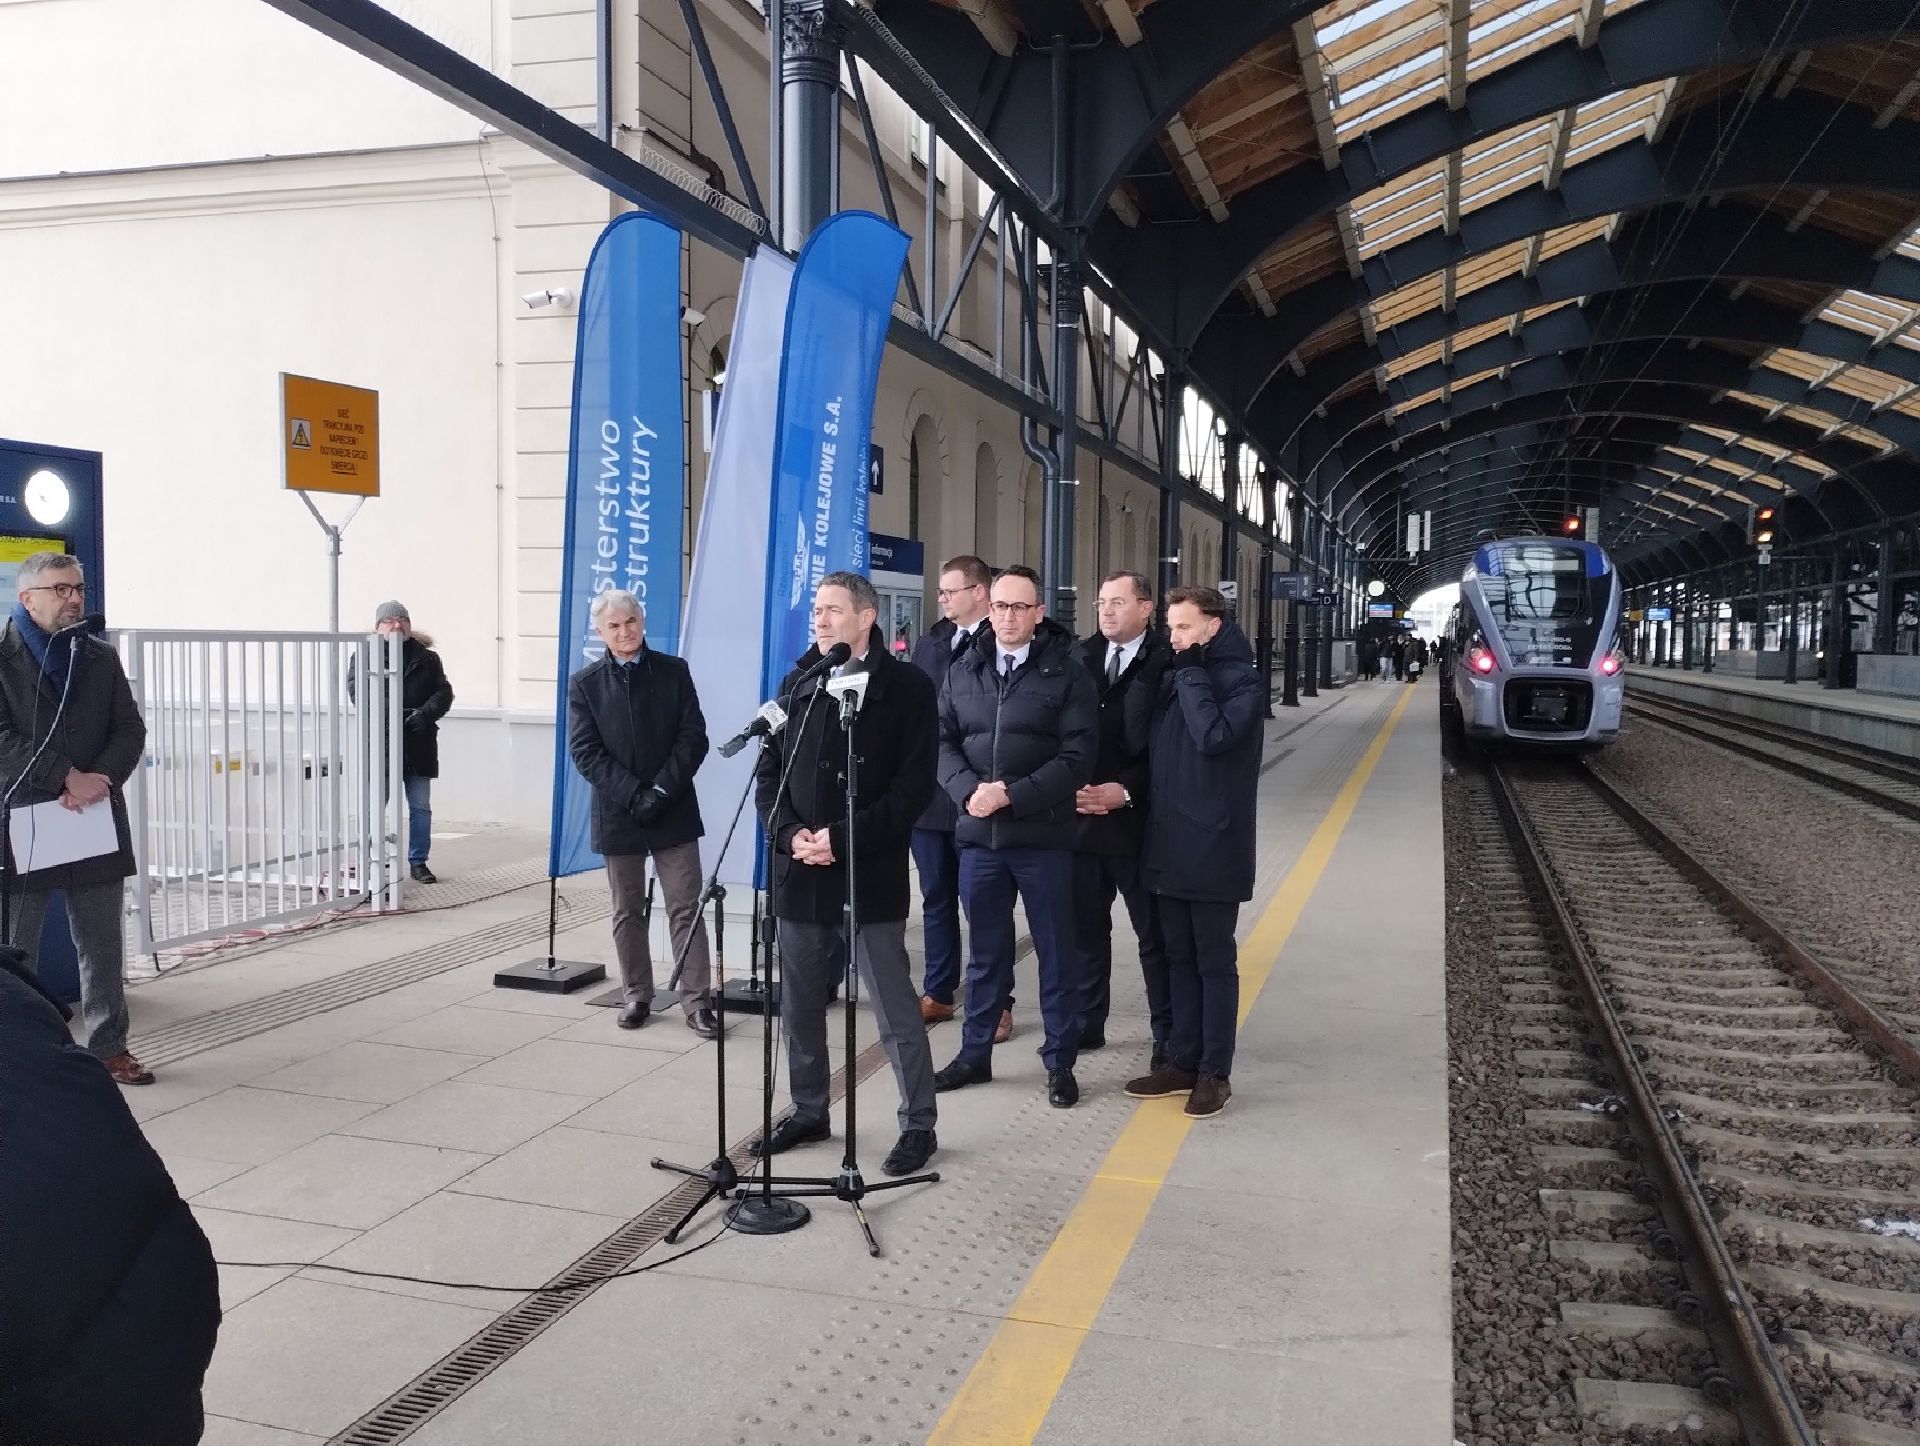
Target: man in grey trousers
893	739
71	734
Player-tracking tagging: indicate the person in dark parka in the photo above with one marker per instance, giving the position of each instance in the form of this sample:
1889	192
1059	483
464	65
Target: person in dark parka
963	600
109	1300
71	733
636	733
1201	722
893	736
1113	813
425	697
1018	734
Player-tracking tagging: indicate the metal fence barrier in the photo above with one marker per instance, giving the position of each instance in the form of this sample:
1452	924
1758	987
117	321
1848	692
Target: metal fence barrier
271	787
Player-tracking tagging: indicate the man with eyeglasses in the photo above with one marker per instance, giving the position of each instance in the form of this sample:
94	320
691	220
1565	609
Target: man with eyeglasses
1018	735
964	581
70	733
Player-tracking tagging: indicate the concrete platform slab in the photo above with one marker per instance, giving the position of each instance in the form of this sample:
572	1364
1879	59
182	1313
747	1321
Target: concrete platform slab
343	1180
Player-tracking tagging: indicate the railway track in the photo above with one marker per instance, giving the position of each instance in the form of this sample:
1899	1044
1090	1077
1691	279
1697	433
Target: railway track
1877	778
1729	1133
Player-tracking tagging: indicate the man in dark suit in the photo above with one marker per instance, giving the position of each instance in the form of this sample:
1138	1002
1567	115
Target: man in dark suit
893	739
636	734
964	582
1200	718
1018	730
70	733
1113	813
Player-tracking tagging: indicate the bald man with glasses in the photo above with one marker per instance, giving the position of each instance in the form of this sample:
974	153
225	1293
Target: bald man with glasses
1018	736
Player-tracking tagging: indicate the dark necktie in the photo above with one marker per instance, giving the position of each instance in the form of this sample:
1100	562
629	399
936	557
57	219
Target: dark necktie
1113	666
1008	661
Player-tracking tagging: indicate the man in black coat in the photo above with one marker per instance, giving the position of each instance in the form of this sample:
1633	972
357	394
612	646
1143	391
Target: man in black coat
964	582
1018	733
893	738
1201	721
70	733
1113	813
425	697
636	734
109	1300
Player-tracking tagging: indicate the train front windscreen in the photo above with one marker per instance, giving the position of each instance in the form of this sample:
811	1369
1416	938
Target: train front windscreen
1547	603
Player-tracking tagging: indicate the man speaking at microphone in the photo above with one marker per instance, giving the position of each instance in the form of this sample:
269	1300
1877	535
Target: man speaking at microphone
84	758
893	738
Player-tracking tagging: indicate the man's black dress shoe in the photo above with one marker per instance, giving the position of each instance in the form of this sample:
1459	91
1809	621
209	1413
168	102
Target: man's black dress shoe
635	1015
960	1074
704	1023
914	1149
791	1131
1063	1090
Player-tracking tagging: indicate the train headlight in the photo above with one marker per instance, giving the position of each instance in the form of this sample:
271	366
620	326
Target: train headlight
1612	664
1481	661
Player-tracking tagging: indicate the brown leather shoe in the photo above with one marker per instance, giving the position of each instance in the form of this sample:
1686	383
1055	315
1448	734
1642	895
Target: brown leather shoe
932	1011
1003	1031
127	1070
1163	1082
1209	1097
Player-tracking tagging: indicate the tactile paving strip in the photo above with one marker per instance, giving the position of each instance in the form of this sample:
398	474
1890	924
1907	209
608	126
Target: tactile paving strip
219	1027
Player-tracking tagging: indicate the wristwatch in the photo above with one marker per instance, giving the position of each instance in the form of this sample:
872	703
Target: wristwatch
1126	798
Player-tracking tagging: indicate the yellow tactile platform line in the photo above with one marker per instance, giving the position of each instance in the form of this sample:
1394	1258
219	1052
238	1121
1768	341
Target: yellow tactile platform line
1007	1395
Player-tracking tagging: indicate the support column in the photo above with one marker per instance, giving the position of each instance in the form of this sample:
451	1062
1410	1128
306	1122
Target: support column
1317	617
1686	637
1792	630
1335	549
809	101
1230	485
1173	404
1836	630
1269	512
1296	529
1057	520
1886	613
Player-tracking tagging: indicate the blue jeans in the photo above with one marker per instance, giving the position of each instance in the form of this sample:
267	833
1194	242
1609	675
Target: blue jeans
938	864
419	817
1043	881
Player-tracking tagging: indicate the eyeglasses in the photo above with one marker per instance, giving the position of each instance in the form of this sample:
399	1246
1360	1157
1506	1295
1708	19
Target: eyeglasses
1016	610
62	590
945	593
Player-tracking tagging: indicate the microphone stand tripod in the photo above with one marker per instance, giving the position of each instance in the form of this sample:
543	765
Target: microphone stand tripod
721	1174
849	1184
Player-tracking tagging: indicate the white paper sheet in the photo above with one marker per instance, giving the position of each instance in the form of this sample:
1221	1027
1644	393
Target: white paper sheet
48	834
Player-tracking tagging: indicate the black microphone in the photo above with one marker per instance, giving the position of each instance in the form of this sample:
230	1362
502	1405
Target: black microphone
769	720
92	623
832	658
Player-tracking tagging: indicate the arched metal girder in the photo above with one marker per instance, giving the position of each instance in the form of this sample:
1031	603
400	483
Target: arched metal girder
1677	405
1656	361
1681	309
1683	379
1730	243
1594	483
1185	275
1771	150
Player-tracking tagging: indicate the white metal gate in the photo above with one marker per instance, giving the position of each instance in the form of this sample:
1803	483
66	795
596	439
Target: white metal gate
271	786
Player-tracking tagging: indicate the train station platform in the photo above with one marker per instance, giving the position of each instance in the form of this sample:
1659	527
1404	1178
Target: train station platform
365	1099
1870	720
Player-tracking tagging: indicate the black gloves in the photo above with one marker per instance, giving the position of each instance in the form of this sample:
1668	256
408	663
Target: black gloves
414	721
651	804
1194	657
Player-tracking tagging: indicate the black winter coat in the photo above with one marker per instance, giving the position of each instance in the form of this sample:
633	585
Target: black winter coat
425	696
1122	832
109	1301
933	655
100	731
894	742
1203	728
636	734
1038	733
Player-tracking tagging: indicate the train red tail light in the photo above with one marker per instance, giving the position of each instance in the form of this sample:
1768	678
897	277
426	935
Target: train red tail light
1612	664
1481	661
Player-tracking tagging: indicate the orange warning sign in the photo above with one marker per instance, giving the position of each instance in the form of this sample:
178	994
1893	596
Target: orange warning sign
329	436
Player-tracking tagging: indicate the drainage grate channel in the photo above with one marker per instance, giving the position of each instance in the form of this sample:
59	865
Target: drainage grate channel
443	1383
203	1032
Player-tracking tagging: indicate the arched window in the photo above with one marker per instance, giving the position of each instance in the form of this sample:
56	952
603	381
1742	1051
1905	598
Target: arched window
913	486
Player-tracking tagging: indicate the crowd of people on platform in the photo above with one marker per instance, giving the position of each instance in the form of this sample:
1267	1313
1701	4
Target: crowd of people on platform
1398	657
1010	761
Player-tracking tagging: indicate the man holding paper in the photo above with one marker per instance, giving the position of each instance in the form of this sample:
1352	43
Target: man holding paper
70	738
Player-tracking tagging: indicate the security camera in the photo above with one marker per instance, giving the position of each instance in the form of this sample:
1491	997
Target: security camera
552	296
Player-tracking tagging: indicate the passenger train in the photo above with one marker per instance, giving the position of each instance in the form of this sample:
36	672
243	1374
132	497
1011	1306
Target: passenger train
1533	652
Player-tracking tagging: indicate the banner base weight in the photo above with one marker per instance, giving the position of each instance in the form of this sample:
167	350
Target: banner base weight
550	976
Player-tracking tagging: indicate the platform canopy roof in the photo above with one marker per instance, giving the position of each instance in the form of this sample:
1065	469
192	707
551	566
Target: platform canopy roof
1498	258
